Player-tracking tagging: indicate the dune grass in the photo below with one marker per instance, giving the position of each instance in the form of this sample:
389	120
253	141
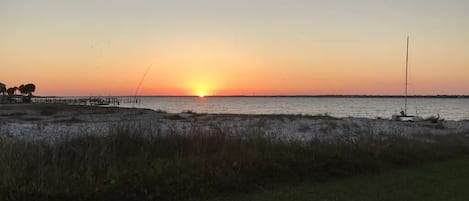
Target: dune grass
127	164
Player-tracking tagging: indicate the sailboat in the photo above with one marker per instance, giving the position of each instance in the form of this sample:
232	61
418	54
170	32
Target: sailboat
403	115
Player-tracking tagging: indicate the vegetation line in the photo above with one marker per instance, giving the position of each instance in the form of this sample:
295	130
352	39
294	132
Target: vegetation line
26	91
137	162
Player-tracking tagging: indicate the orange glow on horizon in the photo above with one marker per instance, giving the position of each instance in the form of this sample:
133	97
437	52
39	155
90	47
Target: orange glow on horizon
305	48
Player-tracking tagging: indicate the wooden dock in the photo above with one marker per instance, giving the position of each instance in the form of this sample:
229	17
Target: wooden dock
100	101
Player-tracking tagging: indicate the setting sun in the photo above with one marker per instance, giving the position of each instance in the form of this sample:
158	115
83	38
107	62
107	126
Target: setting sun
232	48
202	88
205	98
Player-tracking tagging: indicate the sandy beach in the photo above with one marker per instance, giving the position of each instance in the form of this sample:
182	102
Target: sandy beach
54	122
101	153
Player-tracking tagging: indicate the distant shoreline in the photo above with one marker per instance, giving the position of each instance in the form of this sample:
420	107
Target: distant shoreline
281	96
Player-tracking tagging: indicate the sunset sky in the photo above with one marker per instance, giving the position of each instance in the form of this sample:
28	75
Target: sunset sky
235	47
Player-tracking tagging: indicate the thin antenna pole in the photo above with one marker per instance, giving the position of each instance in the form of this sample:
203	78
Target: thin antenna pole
140	84
406	74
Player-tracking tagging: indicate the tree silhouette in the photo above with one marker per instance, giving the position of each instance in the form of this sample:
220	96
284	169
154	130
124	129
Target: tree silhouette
22	89
28	90
3	88
11	92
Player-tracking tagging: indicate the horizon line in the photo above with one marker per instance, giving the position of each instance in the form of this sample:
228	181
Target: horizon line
267	96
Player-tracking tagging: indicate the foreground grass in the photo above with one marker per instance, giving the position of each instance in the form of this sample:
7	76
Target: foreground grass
432	182
198	164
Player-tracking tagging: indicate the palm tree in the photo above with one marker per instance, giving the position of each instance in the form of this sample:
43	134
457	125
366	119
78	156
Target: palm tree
11	92
23	92
3	88
30	88
22	89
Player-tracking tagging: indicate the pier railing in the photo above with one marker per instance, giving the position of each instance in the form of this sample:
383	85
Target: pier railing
86	100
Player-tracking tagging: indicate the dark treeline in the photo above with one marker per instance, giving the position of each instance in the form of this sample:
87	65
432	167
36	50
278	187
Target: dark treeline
9	93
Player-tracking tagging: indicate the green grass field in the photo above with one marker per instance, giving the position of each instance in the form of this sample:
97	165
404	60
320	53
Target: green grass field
440	181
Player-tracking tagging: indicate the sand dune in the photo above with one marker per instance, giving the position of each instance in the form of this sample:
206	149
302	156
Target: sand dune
55	122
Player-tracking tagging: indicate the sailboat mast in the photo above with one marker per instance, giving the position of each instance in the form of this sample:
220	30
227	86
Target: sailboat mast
406	74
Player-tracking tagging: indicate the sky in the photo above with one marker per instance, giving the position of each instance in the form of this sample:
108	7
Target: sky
235	47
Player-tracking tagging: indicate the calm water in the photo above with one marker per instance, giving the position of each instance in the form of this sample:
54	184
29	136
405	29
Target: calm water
448	108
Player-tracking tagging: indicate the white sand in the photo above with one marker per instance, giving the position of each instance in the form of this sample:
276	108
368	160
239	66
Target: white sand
33	122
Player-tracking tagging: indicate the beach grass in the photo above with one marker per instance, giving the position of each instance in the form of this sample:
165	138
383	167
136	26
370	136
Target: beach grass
139	164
